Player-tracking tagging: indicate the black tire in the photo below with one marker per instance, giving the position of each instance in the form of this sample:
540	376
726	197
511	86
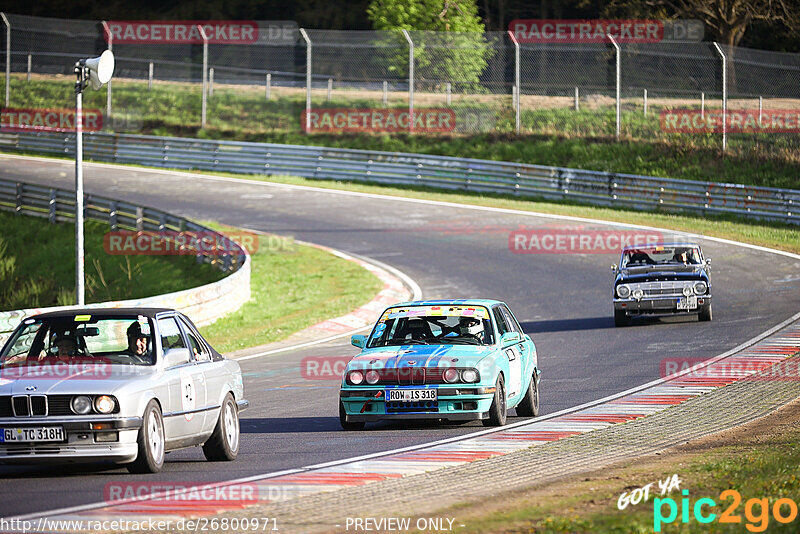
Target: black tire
348	425
620	318
705	314
529	405
150	458
498	411
223	445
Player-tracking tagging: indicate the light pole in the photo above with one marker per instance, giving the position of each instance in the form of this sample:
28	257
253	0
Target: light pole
97	71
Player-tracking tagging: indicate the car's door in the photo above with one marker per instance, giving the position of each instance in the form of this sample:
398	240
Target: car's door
512	354
526	346
212	374
187	391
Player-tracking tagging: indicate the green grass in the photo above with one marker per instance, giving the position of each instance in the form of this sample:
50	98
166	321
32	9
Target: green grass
292	287
759	466
559	137
37	266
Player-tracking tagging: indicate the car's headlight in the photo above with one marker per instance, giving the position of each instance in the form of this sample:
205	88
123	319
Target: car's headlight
104	404
687	291
469	375
637	293
623	291
700	288
355	377
81	404
450	375
373	376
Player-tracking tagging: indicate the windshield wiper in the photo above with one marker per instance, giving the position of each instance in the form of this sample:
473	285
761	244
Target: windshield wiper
408	342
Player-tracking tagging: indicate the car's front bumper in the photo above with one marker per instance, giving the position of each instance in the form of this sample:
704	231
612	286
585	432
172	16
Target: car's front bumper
81	443
454	403
659	305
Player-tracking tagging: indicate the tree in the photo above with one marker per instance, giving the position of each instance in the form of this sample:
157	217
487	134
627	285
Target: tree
449	44
727	20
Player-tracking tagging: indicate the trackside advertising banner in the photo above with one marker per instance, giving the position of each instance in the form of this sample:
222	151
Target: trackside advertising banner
597	31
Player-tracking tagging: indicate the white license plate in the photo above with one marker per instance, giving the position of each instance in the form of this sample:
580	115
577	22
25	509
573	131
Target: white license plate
33	433
687	303
411	395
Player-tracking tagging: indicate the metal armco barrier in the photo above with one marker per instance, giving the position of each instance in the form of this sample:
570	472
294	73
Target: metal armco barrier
554	183
203	304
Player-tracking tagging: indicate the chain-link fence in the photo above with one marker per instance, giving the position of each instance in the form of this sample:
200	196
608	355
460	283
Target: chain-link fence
262	78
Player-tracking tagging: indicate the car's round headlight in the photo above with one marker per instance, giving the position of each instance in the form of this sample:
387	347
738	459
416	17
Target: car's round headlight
637	293
373	376
687	291
700	288
104	404
623	291
469	375
450	375
355	377
81	404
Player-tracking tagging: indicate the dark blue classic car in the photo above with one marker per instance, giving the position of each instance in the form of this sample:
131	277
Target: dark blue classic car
662	279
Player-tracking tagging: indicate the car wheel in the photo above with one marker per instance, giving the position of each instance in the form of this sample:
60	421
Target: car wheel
529	405
150	441
620	318
705	314
348	425
223	445
498	410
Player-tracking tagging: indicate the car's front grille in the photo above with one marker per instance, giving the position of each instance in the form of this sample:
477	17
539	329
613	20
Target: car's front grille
662	289
410	407
410	376
59	404
5	407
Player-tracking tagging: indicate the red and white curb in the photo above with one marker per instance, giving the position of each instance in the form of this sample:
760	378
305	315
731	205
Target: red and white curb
746	361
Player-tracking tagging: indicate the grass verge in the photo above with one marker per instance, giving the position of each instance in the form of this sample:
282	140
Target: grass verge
37	266
293	286
557	136
758	460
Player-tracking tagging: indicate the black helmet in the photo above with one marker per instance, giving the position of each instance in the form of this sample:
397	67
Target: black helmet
135	331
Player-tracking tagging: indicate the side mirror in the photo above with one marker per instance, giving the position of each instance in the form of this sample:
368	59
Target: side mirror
614	268
175	357
509	338
708	261
358	341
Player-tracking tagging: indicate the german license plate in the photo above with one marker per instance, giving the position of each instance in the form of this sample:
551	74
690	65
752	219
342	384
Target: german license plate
687	303
32	433
411	395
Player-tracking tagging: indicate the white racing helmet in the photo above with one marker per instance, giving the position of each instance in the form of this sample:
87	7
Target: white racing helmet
470	326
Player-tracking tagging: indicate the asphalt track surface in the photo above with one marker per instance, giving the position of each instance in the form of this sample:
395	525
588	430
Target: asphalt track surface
562	300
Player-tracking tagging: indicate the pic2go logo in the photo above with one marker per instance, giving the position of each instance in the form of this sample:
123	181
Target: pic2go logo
756	511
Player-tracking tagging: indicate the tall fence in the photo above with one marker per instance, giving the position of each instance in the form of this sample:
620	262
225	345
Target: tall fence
444	172
449	83
204	304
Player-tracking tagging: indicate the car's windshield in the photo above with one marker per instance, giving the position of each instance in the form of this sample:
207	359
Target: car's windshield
656	255
65	339
433	325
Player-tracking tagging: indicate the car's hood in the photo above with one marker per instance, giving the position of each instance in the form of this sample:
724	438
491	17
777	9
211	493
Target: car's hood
69	380
421	356
647	274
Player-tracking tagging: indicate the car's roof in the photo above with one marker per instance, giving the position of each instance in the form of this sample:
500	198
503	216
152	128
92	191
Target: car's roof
105	312
449	302
649	245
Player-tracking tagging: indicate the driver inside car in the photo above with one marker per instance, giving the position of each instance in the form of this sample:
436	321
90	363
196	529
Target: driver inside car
471	326
65	348
137	343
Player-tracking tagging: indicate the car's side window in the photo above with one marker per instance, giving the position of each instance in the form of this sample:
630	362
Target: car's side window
502	327
199	352
171	337
512	321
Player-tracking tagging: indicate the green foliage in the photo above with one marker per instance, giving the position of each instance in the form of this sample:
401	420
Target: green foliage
458	53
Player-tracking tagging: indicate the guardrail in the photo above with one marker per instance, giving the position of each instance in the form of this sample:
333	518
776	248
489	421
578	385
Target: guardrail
203	304
554	183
